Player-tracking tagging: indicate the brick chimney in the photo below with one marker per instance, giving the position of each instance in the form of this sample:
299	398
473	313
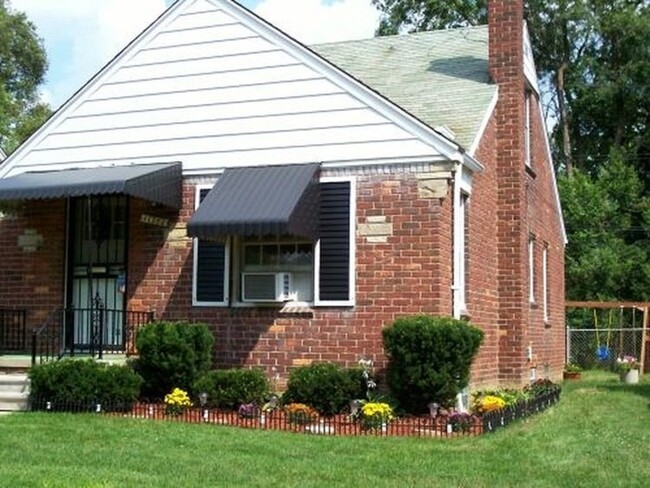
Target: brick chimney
506	64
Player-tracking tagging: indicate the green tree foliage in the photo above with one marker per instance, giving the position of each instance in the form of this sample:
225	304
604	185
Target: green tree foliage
608	220
23	64
423	15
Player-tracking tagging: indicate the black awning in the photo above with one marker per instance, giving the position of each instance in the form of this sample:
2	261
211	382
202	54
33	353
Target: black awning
160	183
258	201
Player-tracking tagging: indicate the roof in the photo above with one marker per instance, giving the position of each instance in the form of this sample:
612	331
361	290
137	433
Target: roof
440	77
273	200
160	183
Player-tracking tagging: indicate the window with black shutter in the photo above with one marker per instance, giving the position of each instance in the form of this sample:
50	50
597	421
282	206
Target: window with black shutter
334	280
210	269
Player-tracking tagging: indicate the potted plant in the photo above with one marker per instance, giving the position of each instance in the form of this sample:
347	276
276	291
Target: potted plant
572	371
628	369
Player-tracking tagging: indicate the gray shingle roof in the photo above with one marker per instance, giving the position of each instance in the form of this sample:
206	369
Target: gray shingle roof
440	77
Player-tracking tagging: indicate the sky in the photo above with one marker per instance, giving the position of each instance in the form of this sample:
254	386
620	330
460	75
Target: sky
81	36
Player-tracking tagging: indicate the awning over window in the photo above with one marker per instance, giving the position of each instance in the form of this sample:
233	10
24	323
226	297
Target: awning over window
159	183
258	201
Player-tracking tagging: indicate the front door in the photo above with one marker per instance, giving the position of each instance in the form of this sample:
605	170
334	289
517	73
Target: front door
97	274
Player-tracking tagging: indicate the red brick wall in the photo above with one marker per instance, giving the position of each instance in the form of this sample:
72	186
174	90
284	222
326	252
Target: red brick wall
482	253
33	280
410	273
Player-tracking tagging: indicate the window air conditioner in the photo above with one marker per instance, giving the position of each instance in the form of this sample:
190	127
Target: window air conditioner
266	287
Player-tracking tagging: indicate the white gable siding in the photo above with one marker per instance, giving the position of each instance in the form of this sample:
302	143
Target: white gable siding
205	89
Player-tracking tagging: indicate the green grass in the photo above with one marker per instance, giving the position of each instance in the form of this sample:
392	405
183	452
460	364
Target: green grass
597	436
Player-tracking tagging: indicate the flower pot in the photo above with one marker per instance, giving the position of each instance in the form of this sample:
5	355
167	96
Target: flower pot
630	377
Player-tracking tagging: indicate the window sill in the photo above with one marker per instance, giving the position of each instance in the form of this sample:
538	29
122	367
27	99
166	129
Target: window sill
288	309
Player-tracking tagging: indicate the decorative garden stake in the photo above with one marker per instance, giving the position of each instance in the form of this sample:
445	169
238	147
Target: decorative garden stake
203	400
433	409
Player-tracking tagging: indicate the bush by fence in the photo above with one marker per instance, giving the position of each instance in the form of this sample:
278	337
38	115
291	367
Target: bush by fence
230	388
429	359
325	386
172	354
85	383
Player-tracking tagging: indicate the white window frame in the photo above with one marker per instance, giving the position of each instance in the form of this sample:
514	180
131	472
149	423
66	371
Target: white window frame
527	127
531	269
545	281
352	251
195	261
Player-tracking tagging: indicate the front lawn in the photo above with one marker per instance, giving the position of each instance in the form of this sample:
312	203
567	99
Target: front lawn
598	435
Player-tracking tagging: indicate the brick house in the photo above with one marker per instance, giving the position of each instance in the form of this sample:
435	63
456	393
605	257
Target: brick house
296	199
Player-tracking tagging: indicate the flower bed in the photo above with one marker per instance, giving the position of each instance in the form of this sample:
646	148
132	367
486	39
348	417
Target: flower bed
451	425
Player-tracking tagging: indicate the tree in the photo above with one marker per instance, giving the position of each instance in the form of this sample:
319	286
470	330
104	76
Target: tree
423	15
608	220
23	64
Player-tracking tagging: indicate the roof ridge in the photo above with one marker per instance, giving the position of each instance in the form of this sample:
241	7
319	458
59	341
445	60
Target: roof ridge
405	35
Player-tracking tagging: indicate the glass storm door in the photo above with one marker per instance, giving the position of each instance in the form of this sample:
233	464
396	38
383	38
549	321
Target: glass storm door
97	274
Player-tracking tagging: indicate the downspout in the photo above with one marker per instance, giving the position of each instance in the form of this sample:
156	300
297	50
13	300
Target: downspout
457	236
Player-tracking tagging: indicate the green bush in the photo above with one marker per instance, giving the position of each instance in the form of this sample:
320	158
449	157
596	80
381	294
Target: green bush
429	359
81	384
325	387
229	388
172	355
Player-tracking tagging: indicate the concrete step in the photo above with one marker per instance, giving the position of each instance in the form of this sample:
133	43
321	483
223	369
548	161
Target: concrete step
14	382
13	364
13	401
14	392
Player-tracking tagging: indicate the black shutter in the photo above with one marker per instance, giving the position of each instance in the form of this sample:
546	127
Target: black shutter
334	279
210	267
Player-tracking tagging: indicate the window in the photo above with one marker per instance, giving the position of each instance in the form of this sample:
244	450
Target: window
545	281
277	271
284	269
462	253
527	128
531	269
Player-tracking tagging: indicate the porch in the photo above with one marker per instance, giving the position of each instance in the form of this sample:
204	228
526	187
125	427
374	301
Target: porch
95	332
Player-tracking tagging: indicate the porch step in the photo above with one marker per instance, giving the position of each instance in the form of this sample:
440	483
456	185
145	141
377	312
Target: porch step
14	392
15	364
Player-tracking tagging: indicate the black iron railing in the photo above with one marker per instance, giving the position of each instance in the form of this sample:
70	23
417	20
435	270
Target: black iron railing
13	330
94	331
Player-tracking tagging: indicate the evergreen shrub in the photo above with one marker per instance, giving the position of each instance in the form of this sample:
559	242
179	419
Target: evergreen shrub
230	388
73	384
429	359
172	355
325	387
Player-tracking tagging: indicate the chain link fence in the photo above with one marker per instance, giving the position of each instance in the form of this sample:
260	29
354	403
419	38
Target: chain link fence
599	348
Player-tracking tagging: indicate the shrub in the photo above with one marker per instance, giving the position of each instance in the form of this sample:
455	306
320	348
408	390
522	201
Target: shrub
80	384
172	355
429	359
229	388
325	387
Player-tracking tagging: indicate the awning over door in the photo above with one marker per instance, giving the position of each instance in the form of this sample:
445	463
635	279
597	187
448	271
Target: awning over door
258	201
159	183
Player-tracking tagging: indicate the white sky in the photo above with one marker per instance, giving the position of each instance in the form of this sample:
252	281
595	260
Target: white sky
81	36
